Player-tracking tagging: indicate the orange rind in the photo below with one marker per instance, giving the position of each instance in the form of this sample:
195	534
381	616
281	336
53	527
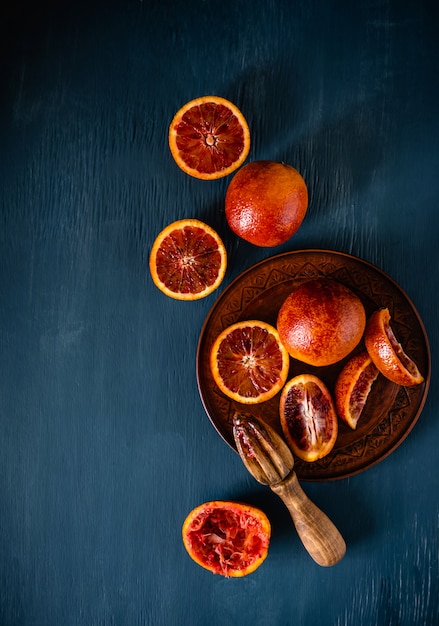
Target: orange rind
353	386
387	353
321	322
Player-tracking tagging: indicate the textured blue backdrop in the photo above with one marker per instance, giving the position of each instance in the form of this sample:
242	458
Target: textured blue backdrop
104	443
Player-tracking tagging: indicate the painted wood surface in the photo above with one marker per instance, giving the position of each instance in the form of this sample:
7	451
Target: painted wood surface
105	446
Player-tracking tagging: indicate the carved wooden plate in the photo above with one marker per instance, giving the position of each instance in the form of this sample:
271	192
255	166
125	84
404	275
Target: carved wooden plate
390	412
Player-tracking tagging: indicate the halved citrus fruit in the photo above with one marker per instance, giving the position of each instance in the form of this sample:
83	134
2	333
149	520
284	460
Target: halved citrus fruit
353	386
387	353
227	538
248	362
209	137
308	417
188	260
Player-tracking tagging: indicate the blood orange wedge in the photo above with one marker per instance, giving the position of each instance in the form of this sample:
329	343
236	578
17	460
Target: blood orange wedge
227	538
353	386
209	137
387	353
188	260
248	362
308	417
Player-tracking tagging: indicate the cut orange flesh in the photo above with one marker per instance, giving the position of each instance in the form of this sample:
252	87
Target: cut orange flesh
209	138
308	417
227	538
188	260
387	353
248	362
353	386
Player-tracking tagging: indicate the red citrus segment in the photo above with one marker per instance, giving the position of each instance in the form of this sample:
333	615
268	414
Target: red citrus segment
248	362
353	386
387	353
209	137
227	538
188	260
308	417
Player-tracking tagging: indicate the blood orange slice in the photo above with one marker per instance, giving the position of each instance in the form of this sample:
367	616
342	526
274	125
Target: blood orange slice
188	260
209	137
308	417
387	353
353	386
227	538
248	362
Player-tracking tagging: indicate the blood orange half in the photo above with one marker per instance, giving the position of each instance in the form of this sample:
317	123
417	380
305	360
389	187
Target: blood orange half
387	353
188	260
209	137
353	386
248	362
227	538
308	417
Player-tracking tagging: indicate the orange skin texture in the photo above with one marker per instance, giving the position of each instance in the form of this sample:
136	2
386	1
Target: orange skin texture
321	322
266	203
387	353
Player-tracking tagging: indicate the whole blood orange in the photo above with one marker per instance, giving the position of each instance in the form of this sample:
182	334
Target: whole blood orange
308	417
266	202
353	386
209	137
321	322
227	538
387	353
248	362
188	260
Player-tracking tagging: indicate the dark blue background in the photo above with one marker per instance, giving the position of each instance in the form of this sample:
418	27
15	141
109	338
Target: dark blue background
105	446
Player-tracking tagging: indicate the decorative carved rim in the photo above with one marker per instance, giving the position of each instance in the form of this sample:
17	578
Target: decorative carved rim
390	412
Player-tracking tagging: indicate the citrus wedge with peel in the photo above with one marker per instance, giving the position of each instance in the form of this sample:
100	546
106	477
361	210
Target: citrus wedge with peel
209	137
308	417
248	362
387	353
353	386
227	538
188	260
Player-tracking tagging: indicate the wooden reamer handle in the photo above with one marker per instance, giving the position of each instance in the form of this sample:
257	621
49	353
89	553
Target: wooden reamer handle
318	534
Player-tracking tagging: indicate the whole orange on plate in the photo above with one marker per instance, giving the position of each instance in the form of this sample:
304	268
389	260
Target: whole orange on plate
387	353
209	137
266	202
321	322
308	417
188	260
248	362
227	538
353	386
